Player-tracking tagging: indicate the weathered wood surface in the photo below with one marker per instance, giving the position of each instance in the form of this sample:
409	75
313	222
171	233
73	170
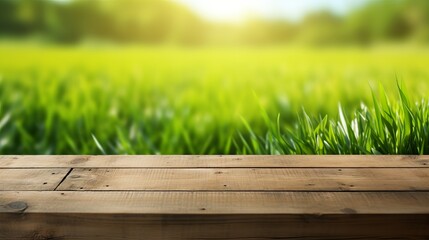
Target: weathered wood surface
213	161
301	203
250	179
214	197
31	179
229	226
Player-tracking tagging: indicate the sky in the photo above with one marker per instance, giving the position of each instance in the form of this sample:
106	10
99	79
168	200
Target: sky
238	10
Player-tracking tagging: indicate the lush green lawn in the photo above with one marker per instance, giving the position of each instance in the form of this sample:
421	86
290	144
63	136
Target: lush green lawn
57	100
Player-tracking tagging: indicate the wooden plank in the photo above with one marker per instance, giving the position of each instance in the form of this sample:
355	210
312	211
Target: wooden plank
175	215
219	227
195	161
258	179
140	202
31	179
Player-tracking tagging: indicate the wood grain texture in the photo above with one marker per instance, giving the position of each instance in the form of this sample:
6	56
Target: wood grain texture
214	197
207	203
153	227
31	179
195	161
277	179
222	215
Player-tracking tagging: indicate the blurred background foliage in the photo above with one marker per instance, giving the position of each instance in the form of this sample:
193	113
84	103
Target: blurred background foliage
163	21
155	77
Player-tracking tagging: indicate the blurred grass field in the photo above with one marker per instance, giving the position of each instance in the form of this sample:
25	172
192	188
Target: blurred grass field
177	100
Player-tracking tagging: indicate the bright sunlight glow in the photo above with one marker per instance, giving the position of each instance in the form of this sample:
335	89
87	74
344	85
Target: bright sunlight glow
238	10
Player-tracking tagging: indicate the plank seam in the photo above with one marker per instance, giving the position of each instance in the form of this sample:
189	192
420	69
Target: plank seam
64	178
91	167
237	191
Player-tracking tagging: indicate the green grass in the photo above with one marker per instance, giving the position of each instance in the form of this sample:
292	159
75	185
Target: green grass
398	128
56	100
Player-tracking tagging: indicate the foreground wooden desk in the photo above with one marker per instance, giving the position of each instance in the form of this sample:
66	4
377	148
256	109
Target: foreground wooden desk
214	197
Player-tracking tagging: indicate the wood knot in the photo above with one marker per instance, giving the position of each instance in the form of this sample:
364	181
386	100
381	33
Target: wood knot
79	160
15	207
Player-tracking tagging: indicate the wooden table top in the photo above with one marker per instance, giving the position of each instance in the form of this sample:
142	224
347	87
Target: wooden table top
219	187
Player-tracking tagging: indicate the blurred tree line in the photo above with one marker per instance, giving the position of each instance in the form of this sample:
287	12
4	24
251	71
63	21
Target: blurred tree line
150	21
164	21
